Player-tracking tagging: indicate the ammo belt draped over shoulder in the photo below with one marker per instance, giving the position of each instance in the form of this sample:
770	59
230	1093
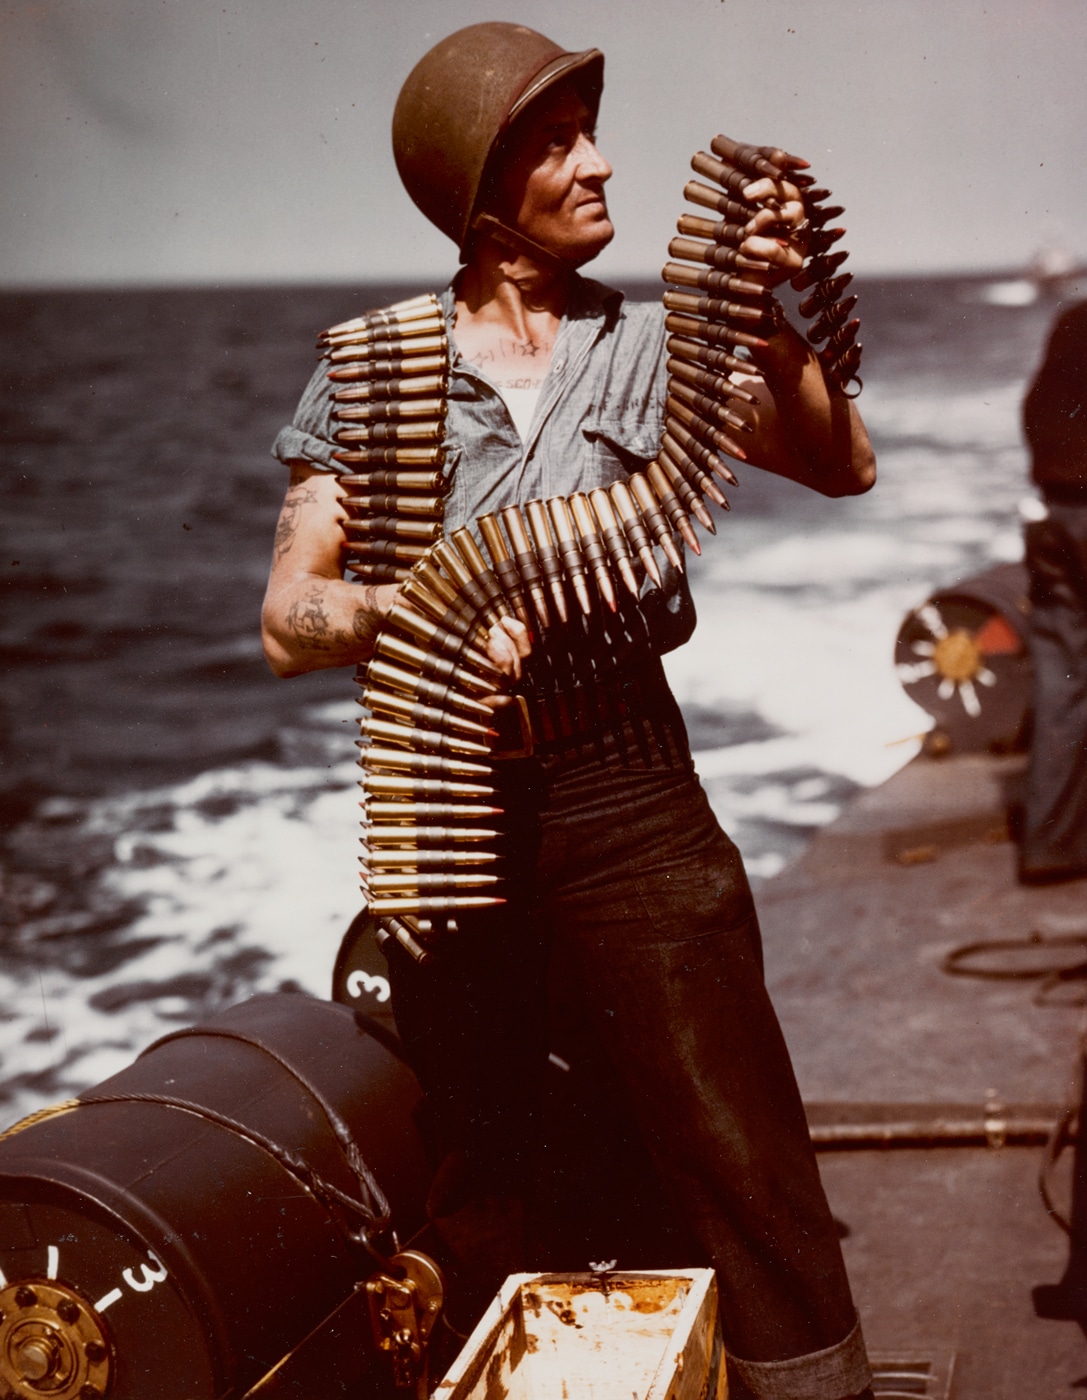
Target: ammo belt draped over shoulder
571	568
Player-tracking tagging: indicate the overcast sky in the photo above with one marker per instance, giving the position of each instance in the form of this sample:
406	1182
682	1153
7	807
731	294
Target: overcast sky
148	141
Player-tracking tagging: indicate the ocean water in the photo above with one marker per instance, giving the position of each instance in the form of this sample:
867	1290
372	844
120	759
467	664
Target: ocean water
179	829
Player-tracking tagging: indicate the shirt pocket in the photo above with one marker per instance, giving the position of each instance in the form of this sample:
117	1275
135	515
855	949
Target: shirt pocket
618	446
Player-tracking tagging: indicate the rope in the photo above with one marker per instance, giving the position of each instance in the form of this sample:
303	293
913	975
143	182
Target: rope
312	1180
40	1116
380	1210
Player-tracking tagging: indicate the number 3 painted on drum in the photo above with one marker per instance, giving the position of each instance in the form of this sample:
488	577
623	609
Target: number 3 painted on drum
150	1276
360	982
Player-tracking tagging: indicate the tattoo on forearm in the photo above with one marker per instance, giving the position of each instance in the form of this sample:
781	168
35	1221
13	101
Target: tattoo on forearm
366	622
300	493
309	622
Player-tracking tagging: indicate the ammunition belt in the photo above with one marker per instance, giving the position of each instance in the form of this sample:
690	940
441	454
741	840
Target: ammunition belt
389	373
570	568
716	312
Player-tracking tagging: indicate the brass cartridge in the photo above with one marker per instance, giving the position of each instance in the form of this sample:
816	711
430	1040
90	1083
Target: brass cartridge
841	339
817	270
453	618
411	838
393	348
381	480
570	551
431	692
387	551
387	332
548	555
424	765
474	561
426	430
432	740
385	410
405	881
822	240
382	906
414	308
381	503
505	569
820	215
377	573
405	349
402	785
761	160
391	456
655	522
671	504
669	458
831	319
721	172
716	385
439	639
468	589
734	210
720	361
712	332
635	527
417	814
390	647
422	857
847	364
592	547
710	280
715	308
824	294
686	450
615	541
390	368
717	230
524	556
708	406
714	255
424	716
682	414
392	527
392	929
407	386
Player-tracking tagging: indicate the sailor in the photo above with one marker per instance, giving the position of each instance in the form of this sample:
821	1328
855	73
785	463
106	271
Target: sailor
557	385
1053	842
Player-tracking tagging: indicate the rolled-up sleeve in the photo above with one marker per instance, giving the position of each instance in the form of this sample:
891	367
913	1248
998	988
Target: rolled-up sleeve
308	438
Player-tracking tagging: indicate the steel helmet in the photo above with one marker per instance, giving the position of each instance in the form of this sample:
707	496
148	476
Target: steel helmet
459	101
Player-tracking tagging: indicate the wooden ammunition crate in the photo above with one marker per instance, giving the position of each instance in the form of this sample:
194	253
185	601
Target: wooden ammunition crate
621	1336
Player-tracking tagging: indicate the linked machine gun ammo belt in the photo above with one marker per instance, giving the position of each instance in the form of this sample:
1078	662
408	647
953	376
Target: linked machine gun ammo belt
571	568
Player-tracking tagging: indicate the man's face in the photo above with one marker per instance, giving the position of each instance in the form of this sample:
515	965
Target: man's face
552	187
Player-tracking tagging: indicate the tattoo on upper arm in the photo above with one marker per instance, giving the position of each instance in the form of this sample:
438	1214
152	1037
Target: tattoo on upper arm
300	493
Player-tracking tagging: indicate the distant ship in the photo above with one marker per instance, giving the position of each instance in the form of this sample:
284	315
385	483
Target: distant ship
1052	272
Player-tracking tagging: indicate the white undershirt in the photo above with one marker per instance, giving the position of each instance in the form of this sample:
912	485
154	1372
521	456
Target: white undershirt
522	405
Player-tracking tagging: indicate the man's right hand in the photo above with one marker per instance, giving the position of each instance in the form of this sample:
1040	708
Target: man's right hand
508	644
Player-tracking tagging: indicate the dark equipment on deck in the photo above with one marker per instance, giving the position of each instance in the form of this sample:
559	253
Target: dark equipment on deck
203	1224
963	657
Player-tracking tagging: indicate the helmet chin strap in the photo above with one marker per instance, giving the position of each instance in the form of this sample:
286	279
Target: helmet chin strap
520	243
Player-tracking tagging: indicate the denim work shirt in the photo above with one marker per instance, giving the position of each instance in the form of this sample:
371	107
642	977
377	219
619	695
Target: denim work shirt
599	417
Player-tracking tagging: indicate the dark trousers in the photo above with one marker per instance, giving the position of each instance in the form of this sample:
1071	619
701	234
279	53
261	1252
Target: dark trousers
619	867
1054	841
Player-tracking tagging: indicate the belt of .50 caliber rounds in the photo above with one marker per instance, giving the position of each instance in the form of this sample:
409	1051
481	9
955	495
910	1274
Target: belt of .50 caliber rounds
717	309
428	745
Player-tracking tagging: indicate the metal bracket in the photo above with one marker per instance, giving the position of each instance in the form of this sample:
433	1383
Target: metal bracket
405	1303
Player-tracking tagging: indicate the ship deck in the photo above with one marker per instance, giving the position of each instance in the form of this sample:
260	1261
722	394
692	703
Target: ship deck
944	1243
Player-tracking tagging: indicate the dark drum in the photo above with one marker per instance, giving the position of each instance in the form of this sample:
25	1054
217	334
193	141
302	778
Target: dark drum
963	657
148	1252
